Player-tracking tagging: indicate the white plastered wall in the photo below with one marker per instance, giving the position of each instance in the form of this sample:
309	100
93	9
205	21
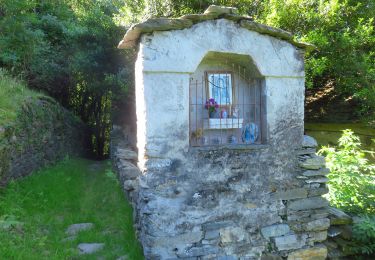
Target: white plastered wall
167	59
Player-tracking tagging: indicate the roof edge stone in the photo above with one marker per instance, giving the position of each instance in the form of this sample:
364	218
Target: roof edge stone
213	12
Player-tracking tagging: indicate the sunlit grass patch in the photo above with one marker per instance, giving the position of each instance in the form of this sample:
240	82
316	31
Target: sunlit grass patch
35	212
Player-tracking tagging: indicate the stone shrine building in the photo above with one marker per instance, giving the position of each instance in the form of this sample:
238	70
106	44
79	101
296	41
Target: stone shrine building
224	170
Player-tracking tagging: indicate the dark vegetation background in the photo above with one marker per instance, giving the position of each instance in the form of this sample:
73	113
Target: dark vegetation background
67	49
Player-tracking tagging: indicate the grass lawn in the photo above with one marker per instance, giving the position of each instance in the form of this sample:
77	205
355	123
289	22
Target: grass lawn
35	212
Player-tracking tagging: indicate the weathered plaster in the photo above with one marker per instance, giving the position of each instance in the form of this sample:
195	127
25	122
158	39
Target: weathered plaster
223	202
183	50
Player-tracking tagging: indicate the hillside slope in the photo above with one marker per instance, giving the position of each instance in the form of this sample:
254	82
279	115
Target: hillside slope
34	130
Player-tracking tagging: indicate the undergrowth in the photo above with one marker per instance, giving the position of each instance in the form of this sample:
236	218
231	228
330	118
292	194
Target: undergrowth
13	93
35	212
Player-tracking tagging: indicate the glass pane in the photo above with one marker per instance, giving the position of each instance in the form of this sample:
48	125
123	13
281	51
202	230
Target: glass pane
220	87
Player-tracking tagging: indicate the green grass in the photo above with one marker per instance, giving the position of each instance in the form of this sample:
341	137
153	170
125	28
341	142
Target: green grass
12	94
35	212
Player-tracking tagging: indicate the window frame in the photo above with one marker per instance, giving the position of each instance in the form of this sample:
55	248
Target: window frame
207	86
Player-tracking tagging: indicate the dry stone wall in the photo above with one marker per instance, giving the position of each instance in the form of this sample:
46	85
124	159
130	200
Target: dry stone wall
42	133
256	203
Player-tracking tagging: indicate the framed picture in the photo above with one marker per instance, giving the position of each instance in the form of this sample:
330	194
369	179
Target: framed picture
220	87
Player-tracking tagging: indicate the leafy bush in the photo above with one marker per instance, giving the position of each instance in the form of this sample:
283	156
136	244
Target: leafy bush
363	241
352	177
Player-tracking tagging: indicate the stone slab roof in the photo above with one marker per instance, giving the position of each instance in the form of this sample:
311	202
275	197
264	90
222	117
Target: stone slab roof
213	12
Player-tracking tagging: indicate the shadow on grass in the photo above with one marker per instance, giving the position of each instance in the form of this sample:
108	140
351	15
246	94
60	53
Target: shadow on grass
35	212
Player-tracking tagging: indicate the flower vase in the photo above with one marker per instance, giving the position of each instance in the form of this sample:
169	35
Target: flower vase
212	114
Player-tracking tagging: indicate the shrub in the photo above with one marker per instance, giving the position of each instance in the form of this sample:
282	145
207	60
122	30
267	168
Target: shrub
352	177
363	241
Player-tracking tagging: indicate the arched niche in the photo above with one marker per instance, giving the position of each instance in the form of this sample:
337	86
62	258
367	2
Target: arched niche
226	99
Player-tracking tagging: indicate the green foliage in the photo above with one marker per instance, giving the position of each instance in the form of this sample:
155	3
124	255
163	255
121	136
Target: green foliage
343	31
352	177
68	50
363	240
13	94
35	212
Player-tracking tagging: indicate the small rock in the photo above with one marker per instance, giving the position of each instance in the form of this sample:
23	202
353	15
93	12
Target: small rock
123	257
220	10
334	231
89	248
309	142
76	228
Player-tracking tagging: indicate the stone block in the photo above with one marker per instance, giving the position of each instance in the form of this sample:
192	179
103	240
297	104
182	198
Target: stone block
199	251
298	193
130	185
344	231
308	203
216	225
74	229
318	224
196	18
232	234
313	163
334	231
211	234
158	164
275	230
317	191
183	239
338	217
313	253
317	180
89	248
289	242
305	151
309	142
269	256
127	170
312	173
126	154
319	236
227	257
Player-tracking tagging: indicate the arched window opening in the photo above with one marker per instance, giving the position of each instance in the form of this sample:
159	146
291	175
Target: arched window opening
226	102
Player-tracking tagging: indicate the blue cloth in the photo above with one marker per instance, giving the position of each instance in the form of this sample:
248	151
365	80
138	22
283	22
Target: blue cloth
250	133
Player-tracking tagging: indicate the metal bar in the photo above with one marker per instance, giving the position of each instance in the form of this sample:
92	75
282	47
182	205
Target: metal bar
220	116
259	82
196	112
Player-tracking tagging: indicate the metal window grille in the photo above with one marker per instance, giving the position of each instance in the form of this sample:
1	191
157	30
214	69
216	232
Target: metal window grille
226	108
